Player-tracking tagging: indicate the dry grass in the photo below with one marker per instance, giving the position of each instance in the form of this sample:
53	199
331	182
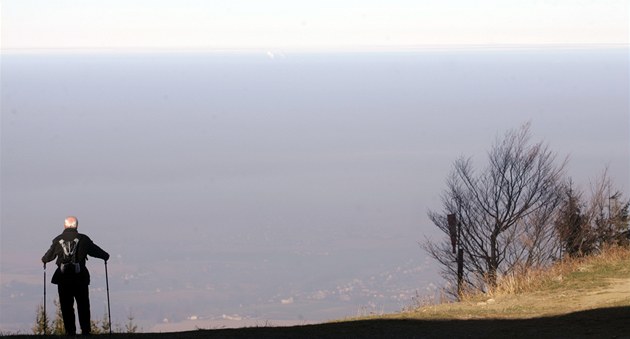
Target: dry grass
610	263
571	285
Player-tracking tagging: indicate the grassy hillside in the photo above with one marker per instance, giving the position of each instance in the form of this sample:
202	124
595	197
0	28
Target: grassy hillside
595	282
586	298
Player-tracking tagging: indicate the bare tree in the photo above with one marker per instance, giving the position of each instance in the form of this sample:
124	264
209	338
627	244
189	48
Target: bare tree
504	210
607	212
599	210
586	227
573	225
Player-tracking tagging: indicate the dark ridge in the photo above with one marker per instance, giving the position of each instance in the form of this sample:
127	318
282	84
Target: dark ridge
611	322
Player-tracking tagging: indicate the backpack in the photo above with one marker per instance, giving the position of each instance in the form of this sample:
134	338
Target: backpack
69	264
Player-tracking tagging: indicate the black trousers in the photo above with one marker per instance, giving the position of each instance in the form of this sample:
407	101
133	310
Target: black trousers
68	293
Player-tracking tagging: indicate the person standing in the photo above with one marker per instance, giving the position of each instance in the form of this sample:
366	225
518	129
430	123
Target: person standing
72	277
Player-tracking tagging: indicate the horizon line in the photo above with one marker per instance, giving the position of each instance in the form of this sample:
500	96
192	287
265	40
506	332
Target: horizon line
313	49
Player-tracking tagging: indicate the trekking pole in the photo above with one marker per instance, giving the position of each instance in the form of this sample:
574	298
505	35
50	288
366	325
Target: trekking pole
45	318
109	312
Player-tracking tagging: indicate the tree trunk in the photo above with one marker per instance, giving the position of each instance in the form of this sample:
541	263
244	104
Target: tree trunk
493	264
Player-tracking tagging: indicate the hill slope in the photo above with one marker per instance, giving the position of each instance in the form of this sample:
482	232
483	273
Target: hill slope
588	298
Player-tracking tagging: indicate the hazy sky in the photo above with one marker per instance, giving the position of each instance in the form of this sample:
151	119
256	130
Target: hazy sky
235	183
308	24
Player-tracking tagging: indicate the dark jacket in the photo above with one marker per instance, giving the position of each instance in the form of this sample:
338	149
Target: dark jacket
85	247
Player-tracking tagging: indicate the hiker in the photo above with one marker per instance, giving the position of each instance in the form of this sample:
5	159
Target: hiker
72	278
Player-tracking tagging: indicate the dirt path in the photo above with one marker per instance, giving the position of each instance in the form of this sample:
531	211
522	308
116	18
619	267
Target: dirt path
617	292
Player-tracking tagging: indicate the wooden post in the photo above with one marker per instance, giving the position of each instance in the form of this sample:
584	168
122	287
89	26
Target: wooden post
455	230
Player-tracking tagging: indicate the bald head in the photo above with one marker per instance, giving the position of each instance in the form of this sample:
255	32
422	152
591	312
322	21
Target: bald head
71	222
